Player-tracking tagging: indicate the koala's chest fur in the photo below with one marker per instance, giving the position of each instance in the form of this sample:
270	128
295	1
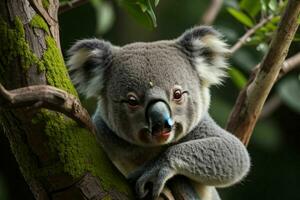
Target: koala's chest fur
125	156
128	162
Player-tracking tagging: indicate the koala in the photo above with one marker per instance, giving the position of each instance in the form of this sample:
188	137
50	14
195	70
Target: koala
152	110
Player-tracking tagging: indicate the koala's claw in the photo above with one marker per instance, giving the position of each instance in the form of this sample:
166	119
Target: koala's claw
156	176
140	187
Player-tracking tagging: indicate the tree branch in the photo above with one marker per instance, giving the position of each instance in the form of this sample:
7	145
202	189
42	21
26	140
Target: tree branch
251	99
289	65
248	34
44	96
274	102
212	12
66	6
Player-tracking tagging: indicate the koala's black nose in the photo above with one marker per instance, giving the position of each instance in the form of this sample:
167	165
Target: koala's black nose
159	117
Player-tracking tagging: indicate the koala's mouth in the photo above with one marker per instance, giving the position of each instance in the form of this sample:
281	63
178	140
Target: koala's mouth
157	137
162	135
152	138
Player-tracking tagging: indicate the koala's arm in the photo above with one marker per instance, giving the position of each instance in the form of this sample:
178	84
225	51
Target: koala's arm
209	155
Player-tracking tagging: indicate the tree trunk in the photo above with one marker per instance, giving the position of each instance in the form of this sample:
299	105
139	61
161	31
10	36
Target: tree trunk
58	159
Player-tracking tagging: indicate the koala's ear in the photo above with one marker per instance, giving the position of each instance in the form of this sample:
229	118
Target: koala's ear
87	62
207	52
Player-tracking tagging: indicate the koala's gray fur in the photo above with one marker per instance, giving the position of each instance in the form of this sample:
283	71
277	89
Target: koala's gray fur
193	145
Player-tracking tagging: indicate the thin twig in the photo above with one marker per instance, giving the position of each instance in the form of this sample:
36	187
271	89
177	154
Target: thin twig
289	65
251	99
212	12
66	6
248	34
44	96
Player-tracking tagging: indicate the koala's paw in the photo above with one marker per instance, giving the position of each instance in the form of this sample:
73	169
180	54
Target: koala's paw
156	176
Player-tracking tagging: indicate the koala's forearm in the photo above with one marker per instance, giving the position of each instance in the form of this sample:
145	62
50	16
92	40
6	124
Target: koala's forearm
218	161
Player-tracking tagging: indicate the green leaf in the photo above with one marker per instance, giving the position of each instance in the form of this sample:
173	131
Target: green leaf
105	15
252	7
264	6
156	3
273	5
142	5
271	27
150	13
275	19
264	34
289	91
263	47
237	77
141	10
241	17
255	40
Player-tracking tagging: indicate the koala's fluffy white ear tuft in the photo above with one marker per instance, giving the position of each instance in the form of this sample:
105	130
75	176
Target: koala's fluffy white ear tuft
87	62
207	52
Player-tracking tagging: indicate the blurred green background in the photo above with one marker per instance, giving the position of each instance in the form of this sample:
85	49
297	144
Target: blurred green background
275	144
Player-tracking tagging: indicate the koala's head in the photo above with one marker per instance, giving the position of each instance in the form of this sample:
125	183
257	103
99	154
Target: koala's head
150	93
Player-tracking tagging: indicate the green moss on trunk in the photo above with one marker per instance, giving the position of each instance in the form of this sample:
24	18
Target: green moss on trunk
78	150
46	4
56	71
38	22
14	45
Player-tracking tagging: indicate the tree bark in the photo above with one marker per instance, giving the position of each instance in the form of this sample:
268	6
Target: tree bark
58	159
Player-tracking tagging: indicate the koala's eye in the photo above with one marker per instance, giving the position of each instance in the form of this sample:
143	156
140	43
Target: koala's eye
177	94
132	100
